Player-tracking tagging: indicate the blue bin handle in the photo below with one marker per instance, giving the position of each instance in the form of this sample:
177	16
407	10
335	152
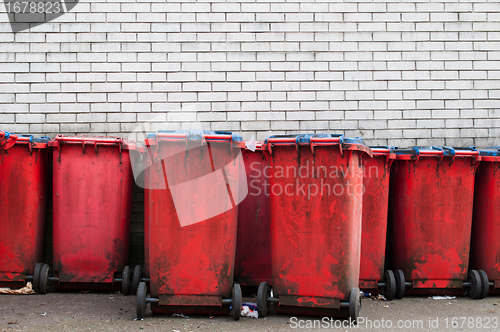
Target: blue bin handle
7	140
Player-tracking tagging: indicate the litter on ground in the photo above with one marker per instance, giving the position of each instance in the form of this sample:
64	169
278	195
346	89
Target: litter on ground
26	290
446	297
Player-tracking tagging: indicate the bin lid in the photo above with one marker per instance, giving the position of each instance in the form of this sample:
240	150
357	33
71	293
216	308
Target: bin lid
314	140
381	150
94	141
491	153
188	135
417	152
8	140
255	146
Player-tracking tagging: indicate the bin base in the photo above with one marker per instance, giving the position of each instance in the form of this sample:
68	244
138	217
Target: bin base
371	286
12	276
14	280
368	284
190	300
189	310
435	291
87	285
12	284
251	282
436	287
495	290
309	311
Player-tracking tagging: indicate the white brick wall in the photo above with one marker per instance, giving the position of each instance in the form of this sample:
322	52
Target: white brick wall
394	72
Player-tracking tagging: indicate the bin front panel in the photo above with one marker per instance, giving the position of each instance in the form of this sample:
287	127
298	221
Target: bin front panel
92	195
253	245
315	237
197	259
23	200
430	218
485	246
375	205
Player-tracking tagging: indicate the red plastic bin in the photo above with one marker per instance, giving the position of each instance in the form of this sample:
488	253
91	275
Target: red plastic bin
192	192
92	196
23	201
373	236
316	188
430	216
485	240
253	245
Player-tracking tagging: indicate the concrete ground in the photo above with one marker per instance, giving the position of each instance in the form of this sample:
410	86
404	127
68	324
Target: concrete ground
115	312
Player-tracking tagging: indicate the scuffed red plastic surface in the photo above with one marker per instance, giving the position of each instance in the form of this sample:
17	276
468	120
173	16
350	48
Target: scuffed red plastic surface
23	200
253	248
315	241
92	194
374	233
195	261
430	215
485	241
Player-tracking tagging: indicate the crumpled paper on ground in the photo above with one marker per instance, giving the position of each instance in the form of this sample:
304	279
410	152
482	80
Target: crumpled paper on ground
247	312
379	297
180	315
26	290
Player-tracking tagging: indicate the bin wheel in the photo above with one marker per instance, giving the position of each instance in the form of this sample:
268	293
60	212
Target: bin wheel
141	300
236	301
390	288
354	305
475	287
485	283
126	280
36	277
44	279
262	294
136	279
400	284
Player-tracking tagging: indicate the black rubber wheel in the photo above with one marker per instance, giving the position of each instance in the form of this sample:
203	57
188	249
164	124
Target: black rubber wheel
400	284
36	277
126	280
44	279
485	283
475	287
262	294
136	279
389	290
354	305
237	300
141	300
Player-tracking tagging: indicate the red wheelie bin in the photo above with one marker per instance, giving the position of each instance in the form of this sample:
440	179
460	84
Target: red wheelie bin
23	201
194	187
92	196
430	216
374	233
253	245
316	186
485	244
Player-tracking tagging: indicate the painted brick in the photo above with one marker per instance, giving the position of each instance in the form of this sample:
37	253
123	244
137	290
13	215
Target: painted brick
394	72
